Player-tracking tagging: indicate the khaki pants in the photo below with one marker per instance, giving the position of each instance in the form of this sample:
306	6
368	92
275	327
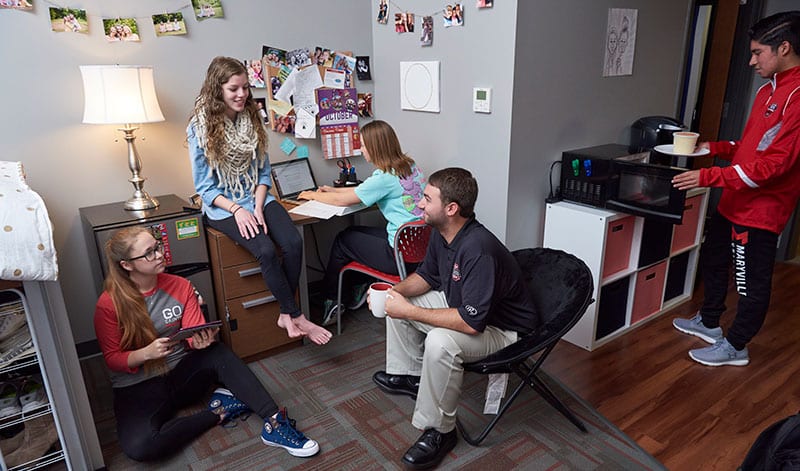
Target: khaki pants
436	354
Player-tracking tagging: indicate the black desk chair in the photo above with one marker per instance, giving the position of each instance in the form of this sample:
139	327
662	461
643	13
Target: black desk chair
561	287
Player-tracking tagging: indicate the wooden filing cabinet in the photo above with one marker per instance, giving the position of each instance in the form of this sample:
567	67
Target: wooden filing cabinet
248	310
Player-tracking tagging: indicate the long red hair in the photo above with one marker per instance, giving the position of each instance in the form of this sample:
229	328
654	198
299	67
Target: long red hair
133	319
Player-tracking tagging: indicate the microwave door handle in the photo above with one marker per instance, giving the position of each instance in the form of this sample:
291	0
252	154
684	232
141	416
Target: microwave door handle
643	211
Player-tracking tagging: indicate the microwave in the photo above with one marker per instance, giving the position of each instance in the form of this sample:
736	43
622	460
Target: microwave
609	176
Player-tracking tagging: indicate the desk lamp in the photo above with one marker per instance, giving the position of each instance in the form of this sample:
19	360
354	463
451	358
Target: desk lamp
123	94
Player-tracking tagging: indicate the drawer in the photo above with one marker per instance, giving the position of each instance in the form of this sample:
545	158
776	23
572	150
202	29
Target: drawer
252	325
619	238
649	291
228	252
685	234
241	280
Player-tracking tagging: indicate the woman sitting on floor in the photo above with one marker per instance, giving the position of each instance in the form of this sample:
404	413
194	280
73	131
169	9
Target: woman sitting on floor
153	377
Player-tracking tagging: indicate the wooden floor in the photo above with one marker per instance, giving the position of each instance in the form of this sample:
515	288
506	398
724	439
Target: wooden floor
687	415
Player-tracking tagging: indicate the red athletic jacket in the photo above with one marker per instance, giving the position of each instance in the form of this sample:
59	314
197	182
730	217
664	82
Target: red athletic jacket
762	186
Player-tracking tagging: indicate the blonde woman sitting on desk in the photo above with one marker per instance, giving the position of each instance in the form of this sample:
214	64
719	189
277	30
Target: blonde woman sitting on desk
396	188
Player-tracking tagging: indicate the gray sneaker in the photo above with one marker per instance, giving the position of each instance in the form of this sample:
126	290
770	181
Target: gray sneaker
694	326
721	353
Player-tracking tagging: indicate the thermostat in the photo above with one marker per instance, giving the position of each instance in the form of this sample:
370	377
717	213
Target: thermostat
482	100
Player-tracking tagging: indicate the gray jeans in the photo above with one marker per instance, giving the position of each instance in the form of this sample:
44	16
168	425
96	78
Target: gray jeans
436	354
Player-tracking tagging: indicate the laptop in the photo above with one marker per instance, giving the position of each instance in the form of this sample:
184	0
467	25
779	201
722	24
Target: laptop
291	177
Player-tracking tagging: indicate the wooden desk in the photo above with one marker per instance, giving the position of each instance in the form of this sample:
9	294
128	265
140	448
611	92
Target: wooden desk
248	310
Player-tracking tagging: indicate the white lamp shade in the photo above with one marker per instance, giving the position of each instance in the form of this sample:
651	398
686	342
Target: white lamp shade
119	94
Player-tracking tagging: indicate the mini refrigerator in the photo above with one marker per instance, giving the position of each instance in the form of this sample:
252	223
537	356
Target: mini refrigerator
177	224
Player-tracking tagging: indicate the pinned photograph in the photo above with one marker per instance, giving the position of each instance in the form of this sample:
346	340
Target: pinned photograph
255	73
169	24
322	56
404	22
261	103
17	4
121	29
362	68
485	3
205	9
365	105
383	12
273	57
68	20
298	58
343	62
427	31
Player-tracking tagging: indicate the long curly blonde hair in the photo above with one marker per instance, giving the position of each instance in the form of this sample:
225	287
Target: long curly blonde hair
210	103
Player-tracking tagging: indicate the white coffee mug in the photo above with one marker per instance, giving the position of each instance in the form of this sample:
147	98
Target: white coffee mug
377	298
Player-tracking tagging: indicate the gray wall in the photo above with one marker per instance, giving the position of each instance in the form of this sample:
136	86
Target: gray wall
481	53
547	55
562	101
73	165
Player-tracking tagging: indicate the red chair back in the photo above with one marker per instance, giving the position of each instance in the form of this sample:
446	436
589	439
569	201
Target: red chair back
410	244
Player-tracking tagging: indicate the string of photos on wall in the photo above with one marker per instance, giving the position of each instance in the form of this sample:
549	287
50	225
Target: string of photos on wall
404	20
305	86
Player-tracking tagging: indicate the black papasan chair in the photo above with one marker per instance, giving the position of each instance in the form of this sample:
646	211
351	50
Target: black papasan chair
561	287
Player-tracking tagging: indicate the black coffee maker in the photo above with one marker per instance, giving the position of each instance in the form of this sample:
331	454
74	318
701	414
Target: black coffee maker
651	131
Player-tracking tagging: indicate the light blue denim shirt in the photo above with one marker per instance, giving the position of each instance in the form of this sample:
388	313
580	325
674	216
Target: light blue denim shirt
207	184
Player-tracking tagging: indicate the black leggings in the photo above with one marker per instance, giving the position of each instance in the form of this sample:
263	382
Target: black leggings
147	427
282	278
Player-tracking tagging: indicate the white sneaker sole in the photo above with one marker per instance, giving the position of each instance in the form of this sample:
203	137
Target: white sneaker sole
705	338
724	363
299	452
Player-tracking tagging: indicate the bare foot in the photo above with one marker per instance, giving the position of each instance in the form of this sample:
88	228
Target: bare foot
285	322
318	335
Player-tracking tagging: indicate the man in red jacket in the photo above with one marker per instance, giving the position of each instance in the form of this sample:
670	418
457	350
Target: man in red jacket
761	188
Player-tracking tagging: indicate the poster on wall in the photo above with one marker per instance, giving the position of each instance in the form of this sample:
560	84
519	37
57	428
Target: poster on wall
338	122
620	42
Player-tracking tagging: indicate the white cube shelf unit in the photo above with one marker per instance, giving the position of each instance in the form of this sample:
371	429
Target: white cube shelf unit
641	268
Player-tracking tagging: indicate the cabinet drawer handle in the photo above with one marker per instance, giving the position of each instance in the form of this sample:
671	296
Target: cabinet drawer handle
617	228
249	272
258	302
650	276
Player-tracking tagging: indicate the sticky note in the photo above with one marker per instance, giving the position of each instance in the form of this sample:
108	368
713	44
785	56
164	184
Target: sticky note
287	146
302	152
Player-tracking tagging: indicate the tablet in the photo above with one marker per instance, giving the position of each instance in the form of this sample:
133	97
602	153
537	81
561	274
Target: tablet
187	332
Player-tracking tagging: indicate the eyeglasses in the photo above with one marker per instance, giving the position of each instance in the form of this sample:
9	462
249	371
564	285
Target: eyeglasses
150	255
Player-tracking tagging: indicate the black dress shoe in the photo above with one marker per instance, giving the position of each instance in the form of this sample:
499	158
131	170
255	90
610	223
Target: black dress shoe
397	384
430	449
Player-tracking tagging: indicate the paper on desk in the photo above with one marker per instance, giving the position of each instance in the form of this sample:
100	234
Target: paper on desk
321	210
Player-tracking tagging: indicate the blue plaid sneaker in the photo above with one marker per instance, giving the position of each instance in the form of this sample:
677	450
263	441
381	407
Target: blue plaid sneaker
224	403
719	354
280	431
331	310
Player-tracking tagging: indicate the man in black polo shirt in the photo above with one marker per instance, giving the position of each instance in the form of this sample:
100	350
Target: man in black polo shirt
466	300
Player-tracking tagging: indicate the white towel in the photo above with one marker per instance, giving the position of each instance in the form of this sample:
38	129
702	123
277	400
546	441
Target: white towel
27	251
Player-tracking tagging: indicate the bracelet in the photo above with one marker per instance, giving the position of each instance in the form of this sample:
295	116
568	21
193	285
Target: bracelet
234	211
233	206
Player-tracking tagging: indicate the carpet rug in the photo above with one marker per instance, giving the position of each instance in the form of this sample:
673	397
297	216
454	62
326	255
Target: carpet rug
329	391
